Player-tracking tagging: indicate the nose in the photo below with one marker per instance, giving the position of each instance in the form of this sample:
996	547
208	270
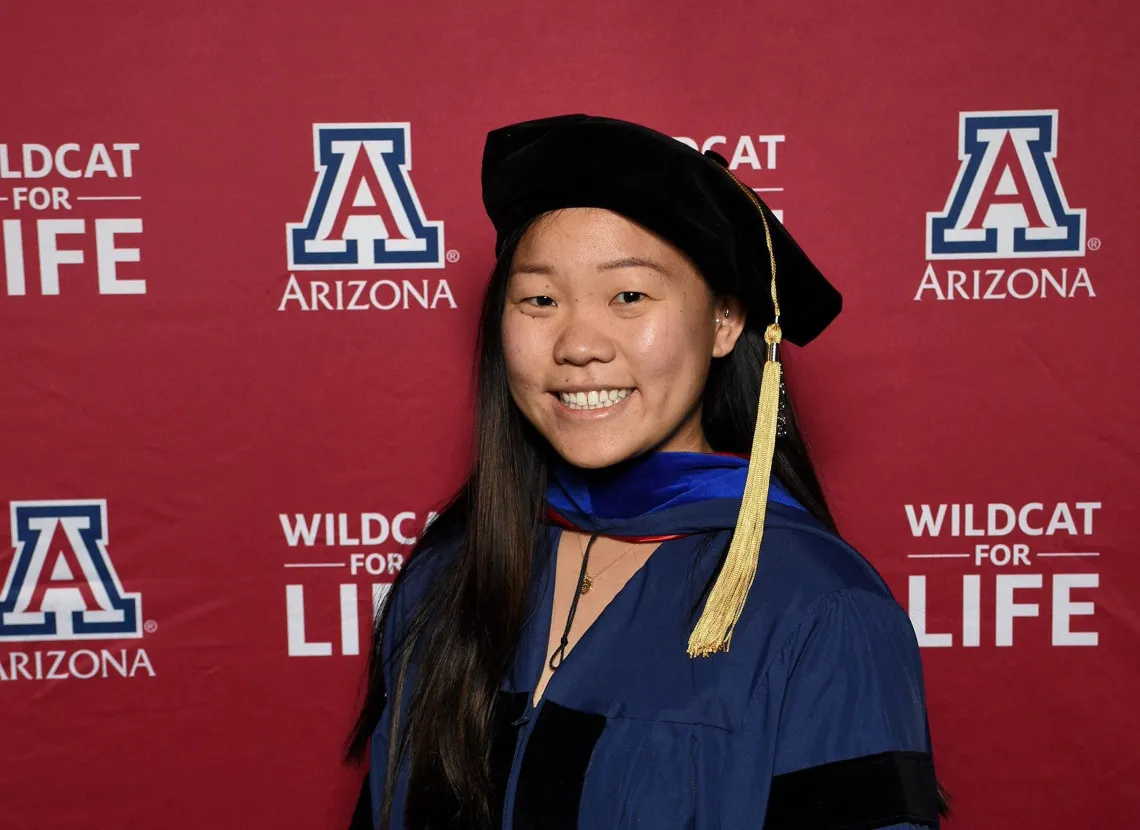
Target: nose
583	340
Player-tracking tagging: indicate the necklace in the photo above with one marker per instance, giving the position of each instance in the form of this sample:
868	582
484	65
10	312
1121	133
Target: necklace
585	583
587	580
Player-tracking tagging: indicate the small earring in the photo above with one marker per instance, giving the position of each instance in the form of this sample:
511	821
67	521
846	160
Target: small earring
782	411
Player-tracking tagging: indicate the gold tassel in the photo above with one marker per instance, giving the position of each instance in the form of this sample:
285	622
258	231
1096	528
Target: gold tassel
725	603
713	631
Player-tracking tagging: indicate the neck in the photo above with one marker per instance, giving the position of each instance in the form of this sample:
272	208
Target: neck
688	437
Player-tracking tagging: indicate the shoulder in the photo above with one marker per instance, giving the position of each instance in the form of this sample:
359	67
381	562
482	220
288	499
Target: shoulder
809	578
801	556
429	561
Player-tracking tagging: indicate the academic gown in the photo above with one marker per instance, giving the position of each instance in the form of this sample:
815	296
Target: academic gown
814	718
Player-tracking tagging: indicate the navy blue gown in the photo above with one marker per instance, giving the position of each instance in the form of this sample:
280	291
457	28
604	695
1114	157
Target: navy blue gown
815	717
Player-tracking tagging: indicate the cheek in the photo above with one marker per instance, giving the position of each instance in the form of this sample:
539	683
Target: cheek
672	352
525	352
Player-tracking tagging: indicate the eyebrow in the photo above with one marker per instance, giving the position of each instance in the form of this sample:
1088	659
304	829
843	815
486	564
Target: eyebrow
633	262
612	265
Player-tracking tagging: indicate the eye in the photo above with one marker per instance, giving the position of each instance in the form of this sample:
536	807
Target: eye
540	301
629	297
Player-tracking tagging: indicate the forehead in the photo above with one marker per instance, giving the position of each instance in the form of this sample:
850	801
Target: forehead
590	236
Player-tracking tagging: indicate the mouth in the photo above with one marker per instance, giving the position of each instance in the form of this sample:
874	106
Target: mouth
592	399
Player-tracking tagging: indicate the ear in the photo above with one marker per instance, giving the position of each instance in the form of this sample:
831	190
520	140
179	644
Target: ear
731	314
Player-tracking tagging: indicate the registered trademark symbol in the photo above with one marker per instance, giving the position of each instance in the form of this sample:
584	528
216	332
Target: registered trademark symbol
150	626
1093	244
453	255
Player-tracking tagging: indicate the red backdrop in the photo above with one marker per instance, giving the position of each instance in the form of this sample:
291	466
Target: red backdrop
186	410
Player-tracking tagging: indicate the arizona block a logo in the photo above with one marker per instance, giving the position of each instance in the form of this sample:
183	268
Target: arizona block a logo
364	213
1007	200
61	584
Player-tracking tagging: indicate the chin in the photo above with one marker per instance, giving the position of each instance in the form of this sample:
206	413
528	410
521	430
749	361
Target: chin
595	457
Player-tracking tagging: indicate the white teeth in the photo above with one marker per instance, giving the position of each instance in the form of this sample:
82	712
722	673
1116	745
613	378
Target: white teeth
594	399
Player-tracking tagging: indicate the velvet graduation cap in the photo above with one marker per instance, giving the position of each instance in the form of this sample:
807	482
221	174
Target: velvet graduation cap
693	201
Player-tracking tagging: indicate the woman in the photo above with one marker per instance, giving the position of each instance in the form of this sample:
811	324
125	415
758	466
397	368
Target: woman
622	619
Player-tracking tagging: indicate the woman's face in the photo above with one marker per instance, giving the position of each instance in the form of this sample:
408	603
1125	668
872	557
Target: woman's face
608	332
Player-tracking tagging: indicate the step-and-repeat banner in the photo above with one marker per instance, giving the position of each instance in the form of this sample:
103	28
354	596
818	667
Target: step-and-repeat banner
243	255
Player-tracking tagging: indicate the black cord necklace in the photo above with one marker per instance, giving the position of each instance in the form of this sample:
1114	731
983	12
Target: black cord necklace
560	652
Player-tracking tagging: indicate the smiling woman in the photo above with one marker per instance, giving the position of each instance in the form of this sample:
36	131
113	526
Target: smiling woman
608	332
556	654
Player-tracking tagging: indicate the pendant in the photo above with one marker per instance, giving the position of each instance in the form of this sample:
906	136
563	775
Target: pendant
587	584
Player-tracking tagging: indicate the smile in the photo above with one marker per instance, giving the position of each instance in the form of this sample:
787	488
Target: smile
594	399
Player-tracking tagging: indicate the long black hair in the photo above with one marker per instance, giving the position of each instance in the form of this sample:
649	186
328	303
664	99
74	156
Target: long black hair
471	617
